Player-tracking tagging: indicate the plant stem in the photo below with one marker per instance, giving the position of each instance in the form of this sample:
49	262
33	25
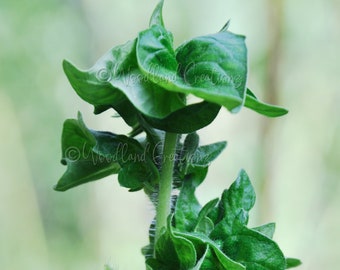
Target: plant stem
165	183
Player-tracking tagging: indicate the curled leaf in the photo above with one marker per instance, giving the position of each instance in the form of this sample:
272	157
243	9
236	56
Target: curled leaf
212	67
116	77
91	155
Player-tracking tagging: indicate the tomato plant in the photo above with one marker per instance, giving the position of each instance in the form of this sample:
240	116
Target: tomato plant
147	82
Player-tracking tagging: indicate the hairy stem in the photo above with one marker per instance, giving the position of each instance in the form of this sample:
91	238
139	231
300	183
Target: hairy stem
165	184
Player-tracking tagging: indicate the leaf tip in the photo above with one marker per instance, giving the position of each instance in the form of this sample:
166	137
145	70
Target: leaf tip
263	108
243	173
157	17
67	66
236	109
72	73
225	27
284	111
292	262
79	116
277	112
57	188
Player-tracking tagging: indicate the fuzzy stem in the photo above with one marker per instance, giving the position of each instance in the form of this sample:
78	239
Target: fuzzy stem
165	184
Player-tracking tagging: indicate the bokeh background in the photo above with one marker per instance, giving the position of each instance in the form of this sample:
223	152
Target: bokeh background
293	161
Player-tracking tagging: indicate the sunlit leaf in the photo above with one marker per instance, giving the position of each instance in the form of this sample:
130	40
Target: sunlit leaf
115	77
212	67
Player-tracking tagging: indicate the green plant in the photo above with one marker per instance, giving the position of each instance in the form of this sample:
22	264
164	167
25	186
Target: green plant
147	83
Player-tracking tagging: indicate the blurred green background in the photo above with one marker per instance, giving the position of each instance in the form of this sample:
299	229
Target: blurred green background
293	161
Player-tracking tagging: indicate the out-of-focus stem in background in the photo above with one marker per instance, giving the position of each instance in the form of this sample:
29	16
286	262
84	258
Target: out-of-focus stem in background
275	18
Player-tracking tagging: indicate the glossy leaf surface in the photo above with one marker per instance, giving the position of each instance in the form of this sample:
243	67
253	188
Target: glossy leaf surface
209	67
115	77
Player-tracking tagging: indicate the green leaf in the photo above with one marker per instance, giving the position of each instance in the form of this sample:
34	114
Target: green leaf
205	260
234	206
185	251
212	67
89	88
148	267
91	155
225	27
204	223
187	207
204	155
83	164
157	17
196	175
175	251
137	167
241	194
127	111
116	77
226	261
188	119
189	216
231	244
292	262
267	230
190	145
254	250
96	92
253	103
211	261
153	264
216	66
214	258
